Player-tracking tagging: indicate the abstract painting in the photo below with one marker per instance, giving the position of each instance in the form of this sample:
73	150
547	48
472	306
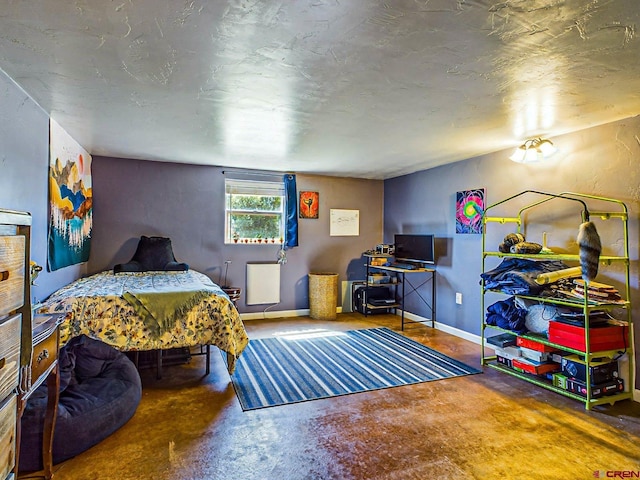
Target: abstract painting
309	203
70	200
469	210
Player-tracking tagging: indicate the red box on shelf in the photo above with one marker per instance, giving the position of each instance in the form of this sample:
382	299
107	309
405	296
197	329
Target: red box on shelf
533	345
536	368
611	337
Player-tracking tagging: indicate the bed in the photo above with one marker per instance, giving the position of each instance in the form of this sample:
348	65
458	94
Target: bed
157	310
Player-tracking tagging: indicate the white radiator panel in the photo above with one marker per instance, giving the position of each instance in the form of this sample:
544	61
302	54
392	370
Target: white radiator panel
263	283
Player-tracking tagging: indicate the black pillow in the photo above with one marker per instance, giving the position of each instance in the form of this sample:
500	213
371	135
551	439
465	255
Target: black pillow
152	254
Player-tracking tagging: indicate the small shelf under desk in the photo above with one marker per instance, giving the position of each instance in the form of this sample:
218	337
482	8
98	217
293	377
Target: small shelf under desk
400	292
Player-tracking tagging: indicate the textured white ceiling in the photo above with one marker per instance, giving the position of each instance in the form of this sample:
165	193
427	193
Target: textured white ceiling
359	88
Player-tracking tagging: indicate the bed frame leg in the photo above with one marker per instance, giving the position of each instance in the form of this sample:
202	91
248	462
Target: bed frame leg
208	359
159	365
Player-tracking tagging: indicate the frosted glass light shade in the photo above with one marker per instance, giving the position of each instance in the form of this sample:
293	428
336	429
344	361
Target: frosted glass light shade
533	150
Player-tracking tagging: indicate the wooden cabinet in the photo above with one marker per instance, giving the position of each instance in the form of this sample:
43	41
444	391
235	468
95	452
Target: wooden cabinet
28	349
7	436
15	329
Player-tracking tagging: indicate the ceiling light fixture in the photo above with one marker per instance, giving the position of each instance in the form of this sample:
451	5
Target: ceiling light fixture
533	150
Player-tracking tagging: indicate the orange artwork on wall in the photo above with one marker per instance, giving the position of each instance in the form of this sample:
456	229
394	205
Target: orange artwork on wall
309	203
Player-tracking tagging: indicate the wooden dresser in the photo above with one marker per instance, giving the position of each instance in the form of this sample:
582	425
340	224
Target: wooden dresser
28	345
15	329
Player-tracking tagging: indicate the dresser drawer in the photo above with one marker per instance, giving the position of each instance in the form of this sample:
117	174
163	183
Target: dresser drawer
45	353
12	272
8	410
9	354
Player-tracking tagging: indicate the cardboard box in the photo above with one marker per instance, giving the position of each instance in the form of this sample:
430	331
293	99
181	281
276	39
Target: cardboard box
533	345
558	356
600	372
535	354
537	368
502	340
504	361
610	337
376	278
508	352
559	380
601	390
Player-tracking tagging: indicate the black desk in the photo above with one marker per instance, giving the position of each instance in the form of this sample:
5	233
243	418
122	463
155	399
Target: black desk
401	274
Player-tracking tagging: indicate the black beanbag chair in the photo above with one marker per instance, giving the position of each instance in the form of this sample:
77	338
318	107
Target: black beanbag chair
100	390
152	254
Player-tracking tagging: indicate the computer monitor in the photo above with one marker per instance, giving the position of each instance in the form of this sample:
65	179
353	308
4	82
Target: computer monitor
415	248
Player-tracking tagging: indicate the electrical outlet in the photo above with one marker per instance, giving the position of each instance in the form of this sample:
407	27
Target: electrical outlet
458	298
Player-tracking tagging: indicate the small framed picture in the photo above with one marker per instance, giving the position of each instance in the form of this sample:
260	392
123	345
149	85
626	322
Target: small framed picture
309	204
469	211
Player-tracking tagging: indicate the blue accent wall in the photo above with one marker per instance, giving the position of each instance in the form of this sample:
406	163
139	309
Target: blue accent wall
600	161
24	169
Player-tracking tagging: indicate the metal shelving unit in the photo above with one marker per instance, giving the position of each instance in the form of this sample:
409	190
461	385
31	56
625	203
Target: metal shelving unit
617	211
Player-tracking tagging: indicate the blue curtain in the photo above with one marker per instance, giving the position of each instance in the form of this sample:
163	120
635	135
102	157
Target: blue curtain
291	220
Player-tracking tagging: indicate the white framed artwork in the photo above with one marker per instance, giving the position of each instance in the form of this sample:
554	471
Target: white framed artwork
344	223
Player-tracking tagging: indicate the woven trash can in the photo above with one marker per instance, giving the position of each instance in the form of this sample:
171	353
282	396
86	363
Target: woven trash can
323	295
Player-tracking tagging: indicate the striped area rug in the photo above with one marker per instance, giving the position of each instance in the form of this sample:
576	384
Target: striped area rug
291	369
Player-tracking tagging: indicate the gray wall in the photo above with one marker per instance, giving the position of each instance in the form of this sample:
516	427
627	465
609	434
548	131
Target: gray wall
24	166
601	161
186	203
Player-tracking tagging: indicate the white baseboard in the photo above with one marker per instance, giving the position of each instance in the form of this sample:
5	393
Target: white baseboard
441	326
277	314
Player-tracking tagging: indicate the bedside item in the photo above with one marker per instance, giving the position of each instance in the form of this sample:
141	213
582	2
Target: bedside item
234	294
44	370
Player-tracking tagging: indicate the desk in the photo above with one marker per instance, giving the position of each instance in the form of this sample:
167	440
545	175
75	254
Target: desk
400	274
44	367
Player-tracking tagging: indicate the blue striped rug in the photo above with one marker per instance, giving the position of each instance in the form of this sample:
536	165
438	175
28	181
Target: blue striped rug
291	369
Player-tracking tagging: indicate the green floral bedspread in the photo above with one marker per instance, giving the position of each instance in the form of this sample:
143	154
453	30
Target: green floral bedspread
95	307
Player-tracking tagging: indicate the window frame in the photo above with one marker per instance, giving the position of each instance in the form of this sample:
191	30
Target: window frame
265	188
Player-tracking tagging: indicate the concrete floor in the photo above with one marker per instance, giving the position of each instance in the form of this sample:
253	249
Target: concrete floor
487	426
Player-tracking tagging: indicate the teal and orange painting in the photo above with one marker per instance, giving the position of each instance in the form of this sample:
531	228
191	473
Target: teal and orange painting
70	201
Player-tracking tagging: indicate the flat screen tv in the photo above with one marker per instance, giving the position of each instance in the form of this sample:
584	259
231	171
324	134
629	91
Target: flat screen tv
414	248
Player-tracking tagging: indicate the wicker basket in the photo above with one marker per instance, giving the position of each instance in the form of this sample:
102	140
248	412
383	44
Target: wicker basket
323	295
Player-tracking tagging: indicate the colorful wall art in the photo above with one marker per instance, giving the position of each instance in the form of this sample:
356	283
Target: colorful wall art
469	210
309	204
70	200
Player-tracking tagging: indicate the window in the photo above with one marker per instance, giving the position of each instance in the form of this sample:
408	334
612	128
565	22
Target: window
254	211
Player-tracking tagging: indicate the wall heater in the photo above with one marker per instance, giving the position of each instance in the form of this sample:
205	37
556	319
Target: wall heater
263	283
